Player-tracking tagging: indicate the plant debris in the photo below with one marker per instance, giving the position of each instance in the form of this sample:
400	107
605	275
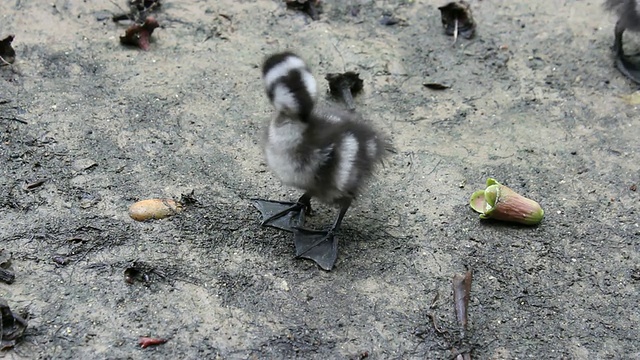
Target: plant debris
7	54
140	35
135	273
311	7
6	275
344	86
12	326
33	185
60	259
139	271
148	341
457	19
461	295
390	20
500	202
138	10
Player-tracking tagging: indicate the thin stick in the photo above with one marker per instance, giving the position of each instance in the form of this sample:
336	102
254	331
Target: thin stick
14	119
455	31
4	61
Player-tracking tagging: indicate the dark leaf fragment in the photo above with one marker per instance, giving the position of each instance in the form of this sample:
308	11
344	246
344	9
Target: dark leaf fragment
311	7
436	86
33	185
344	86
7	54
138	10
6	275
390	20
457	19
12	326
135	273
60	260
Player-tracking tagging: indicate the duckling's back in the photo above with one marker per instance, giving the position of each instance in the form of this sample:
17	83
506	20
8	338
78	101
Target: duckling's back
327	153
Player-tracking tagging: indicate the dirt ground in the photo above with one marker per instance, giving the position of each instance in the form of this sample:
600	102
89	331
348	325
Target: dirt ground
534	102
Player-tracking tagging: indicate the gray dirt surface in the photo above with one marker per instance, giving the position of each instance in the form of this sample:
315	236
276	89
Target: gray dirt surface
534	102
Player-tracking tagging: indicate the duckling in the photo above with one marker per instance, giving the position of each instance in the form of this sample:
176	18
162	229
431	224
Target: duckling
628	12
328	154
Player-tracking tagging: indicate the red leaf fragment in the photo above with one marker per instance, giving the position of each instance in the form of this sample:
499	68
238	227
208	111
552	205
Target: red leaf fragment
140	35
148	341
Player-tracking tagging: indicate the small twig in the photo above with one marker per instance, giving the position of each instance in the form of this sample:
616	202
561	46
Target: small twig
4	61
455	32
434	322
435	167
14	119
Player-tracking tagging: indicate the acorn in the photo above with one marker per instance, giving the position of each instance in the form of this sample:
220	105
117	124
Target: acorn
499	202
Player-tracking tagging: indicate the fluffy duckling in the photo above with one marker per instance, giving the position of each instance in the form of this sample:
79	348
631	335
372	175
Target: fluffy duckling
628	12
327	154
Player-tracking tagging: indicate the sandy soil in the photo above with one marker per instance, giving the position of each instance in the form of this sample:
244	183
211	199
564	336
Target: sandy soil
534	101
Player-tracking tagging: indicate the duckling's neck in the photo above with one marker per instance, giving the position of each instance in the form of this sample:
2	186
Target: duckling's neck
286	133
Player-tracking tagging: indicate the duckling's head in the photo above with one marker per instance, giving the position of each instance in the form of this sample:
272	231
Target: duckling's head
290	86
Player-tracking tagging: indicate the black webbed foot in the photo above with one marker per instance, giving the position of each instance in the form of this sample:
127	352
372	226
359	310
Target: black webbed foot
629	66
319	246
284	215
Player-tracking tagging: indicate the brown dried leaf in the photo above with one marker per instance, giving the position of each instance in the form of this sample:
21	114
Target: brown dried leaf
461	294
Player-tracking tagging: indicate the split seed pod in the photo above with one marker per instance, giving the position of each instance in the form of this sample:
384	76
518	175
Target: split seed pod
501	203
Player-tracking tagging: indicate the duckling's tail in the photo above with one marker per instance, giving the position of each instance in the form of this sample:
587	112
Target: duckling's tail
290	85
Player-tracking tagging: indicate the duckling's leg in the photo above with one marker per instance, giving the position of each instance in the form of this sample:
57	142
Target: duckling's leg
284	215
627	67
320	246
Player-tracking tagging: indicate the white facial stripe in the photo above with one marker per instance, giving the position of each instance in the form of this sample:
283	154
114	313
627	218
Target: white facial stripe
372	148
348	151
282	69
309	83
284	99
